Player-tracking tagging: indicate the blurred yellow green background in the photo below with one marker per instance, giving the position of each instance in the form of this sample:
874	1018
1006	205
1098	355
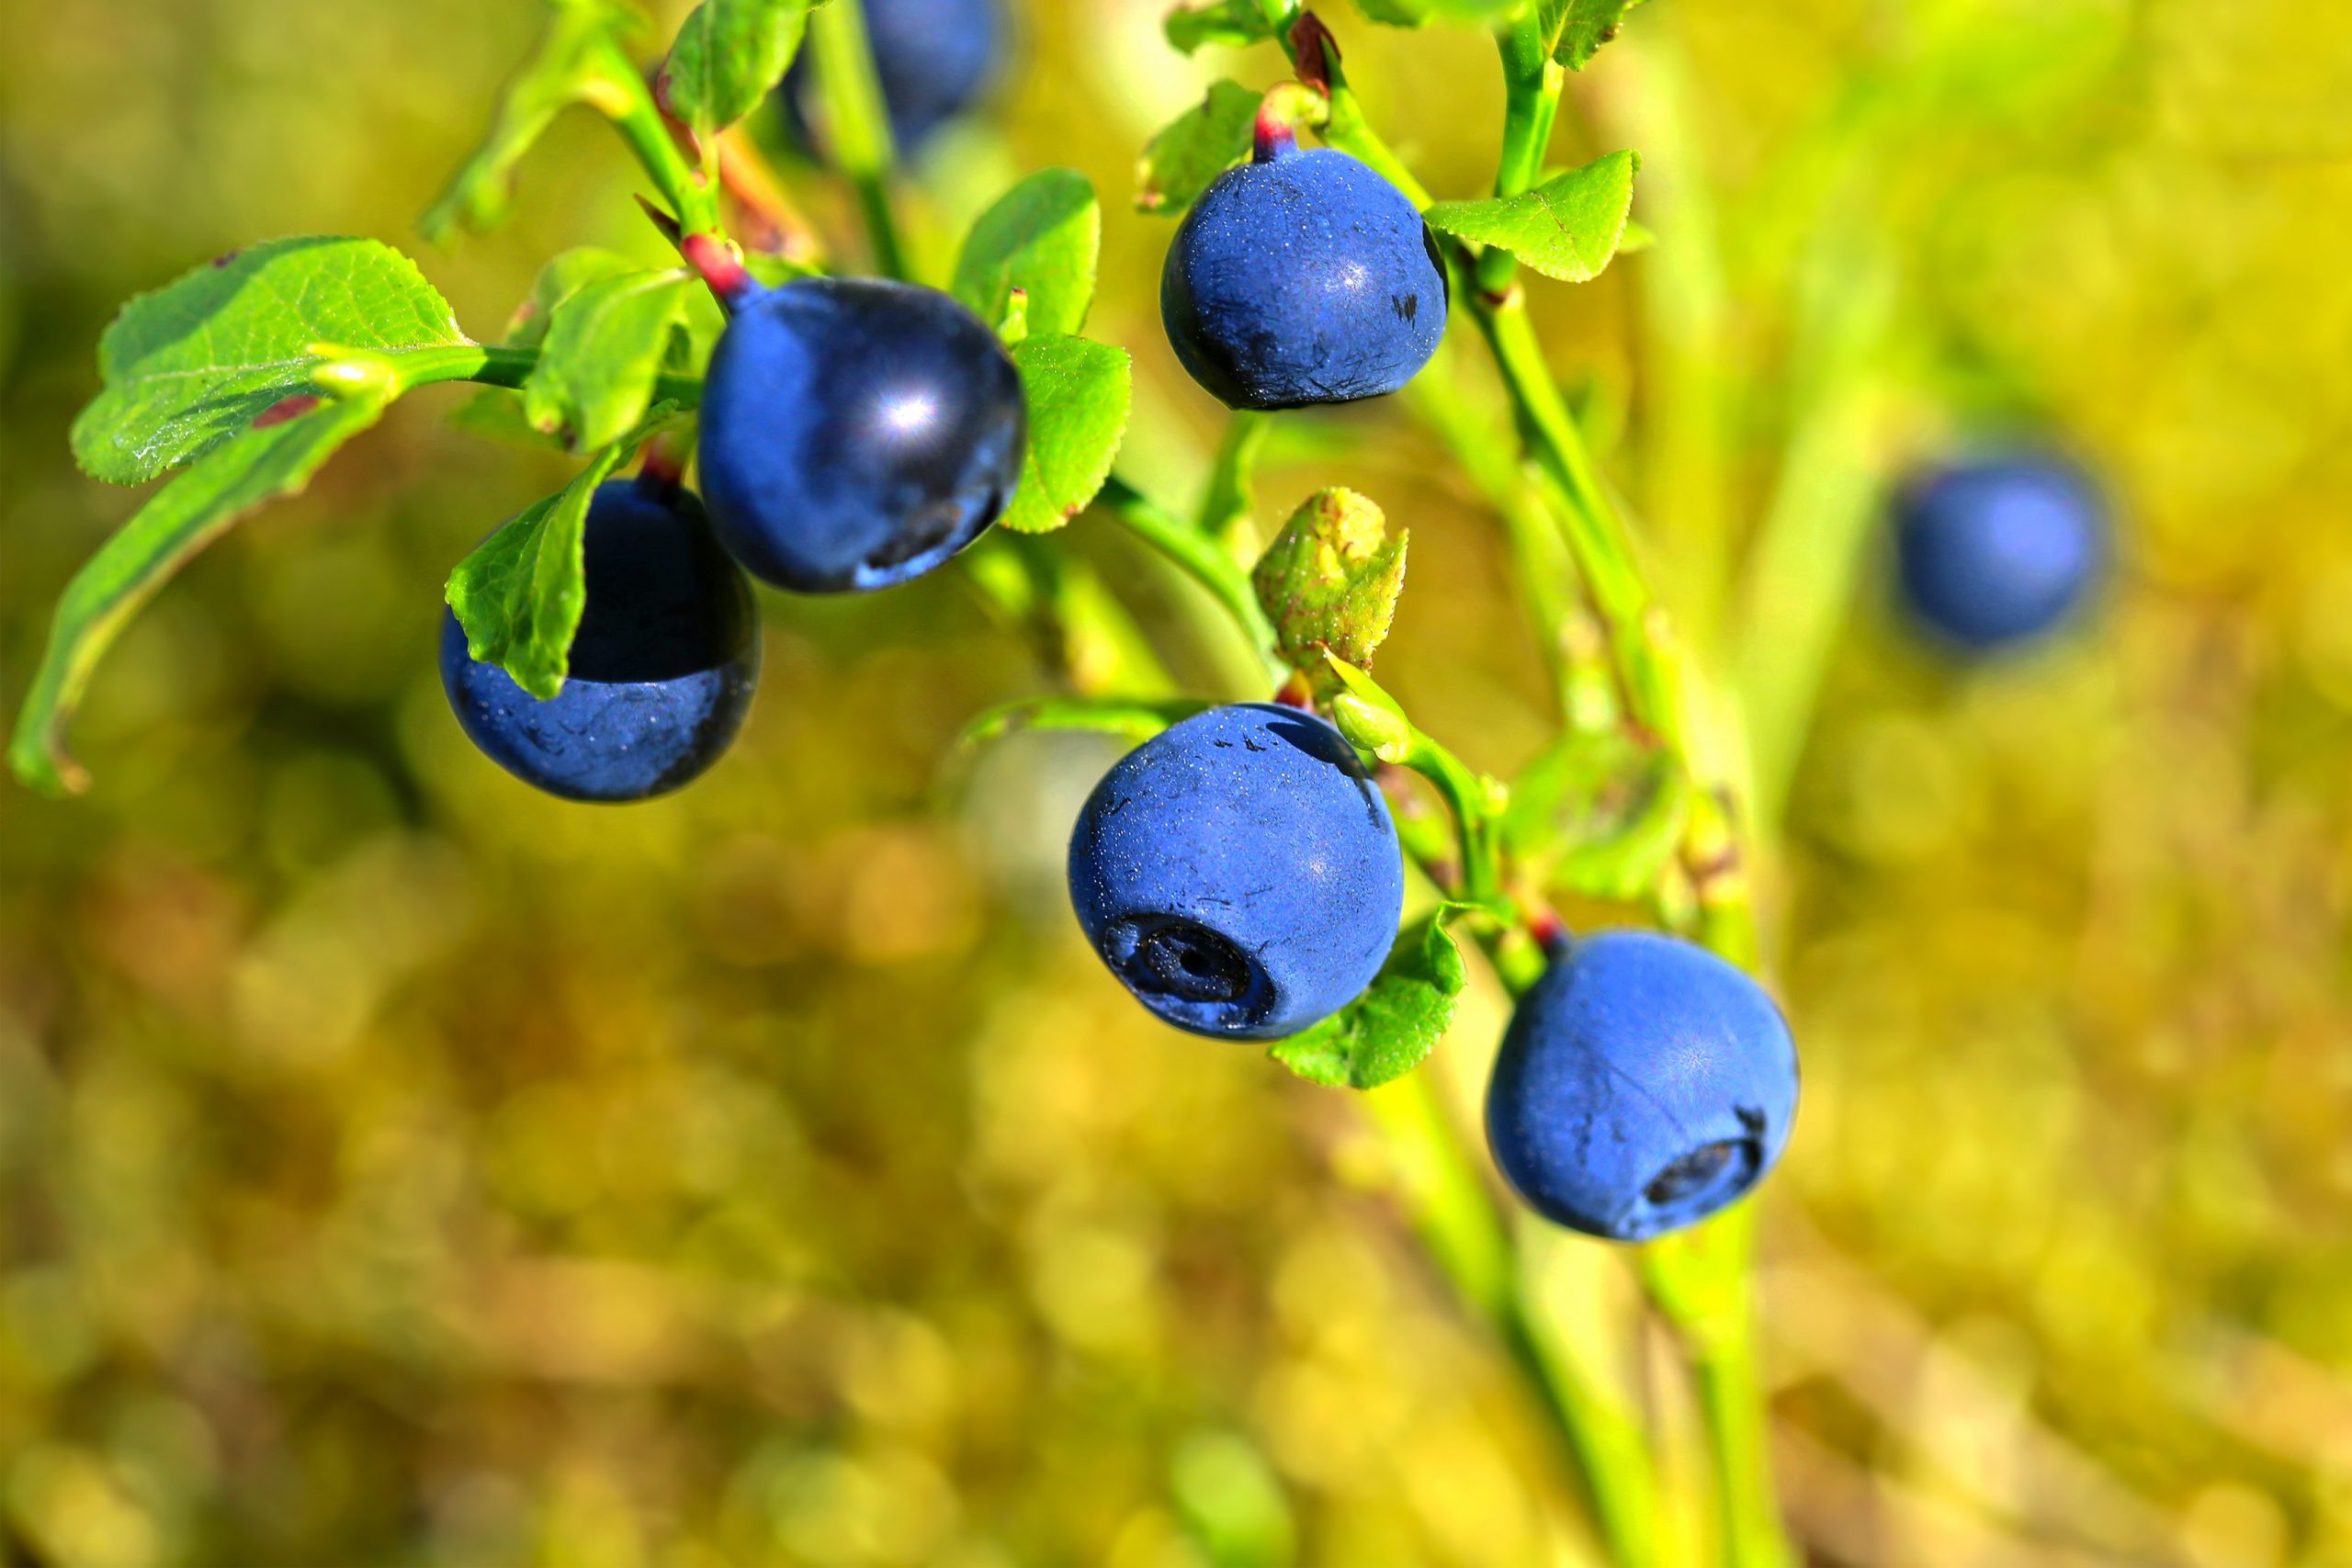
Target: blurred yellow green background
398	1166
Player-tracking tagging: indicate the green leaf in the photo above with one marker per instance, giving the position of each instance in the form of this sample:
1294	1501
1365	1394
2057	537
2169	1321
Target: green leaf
1385	1033
1365	713
1330	580
1566	228
519	596
191	365
1192	150
1134	718
565	275
1043	236
275	457
1231	22
1575	29
1602	815
572	64
1079	393
728	56
604	346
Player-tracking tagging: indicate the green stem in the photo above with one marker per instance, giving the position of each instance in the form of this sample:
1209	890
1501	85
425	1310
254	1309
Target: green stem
1228	502
1201	558
1542	571
1703	1283
1084	633
1455	1212
619	93
857	123
1685	314
498	365
1531	82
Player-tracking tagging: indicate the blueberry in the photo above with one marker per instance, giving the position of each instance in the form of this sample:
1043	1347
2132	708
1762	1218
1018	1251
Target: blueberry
1995	551
662	670
856	433
1239	873
1642	1085
932	58
1302	277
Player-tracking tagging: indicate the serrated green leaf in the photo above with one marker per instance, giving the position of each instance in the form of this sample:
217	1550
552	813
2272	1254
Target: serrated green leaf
1196	147
1043	236
1232	22
276	458
191	365
1079	393
1566	228
728	56
1330	580
1385	1033
519	596
1132	718
572	65
604	346
1574	30
1600	816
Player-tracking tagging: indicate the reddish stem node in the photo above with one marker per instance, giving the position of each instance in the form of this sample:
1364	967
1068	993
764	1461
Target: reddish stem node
1295	693
663	473
1551	932
709	255
1273	136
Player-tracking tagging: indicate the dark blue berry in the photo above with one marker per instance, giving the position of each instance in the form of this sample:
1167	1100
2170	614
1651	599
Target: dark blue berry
1995	551
1239	873
662	670
856	433
1642	1085
1302	277
931	57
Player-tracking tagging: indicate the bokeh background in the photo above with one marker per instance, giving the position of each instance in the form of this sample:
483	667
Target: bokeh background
399	1167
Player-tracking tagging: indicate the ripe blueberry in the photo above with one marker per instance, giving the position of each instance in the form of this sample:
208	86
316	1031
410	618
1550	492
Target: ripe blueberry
931	57
1239	873
1995	551
856	433
1642	1085
662	670
1302	277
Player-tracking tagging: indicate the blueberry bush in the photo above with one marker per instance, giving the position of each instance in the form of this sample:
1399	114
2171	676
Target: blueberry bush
1240	872
814	396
